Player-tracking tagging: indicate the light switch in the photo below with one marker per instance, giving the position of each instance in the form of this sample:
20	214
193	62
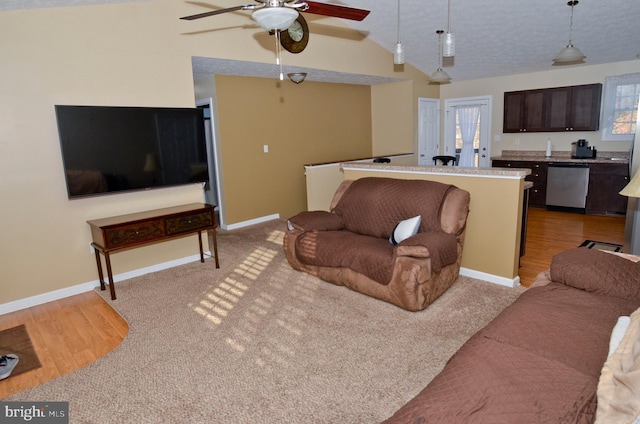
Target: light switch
266	148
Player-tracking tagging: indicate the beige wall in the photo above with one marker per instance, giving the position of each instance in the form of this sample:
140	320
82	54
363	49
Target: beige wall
307	123
492	242
554	77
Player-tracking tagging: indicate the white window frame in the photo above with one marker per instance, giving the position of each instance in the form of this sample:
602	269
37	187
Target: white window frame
609	100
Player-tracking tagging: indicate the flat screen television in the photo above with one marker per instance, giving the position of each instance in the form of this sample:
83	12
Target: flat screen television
110	149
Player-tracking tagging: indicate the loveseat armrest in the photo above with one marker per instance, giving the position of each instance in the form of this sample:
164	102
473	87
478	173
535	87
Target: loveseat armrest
315	221
441	247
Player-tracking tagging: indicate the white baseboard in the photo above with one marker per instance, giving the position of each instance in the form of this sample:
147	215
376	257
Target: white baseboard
251	222
39	299
28	302
496	279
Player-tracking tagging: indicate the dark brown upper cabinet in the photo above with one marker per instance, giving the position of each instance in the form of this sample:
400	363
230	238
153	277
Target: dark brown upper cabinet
574	108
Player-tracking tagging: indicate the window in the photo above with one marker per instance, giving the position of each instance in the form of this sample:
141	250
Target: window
476	140
620	107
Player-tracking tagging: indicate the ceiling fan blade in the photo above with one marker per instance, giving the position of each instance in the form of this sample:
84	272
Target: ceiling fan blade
336	11
217	12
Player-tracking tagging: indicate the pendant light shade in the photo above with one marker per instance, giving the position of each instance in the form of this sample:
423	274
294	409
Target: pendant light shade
398	54
440	76
449	48
569	55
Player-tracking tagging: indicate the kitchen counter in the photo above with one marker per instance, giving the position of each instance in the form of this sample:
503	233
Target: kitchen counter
409	164
561	156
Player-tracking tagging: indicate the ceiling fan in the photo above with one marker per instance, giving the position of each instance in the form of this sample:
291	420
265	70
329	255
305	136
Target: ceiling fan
283	18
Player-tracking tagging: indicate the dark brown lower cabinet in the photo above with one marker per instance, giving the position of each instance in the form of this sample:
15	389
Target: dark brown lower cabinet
605	182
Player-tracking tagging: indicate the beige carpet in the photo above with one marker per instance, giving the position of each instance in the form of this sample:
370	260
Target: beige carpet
256	341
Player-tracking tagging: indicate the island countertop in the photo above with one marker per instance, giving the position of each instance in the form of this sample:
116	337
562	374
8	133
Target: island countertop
410	165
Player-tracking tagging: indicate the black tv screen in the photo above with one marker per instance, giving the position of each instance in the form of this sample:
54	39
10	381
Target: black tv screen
108	149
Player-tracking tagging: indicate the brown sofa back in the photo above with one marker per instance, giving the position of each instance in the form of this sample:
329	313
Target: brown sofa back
373	206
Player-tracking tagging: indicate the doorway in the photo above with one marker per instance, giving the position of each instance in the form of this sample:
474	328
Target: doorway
428	130
467	132
212	192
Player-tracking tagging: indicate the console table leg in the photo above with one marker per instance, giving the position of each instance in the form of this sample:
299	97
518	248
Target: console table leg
214	242
112	287
200	243
99	264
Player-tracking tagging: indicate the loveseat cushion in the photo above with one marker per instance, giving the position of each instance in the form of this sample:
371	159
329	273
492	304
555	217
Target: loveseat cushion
598	272
316	221
367	255
373	206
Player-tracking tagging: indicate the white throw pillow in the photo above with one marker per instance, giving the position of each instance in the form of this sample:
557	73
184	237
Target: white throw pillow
405	229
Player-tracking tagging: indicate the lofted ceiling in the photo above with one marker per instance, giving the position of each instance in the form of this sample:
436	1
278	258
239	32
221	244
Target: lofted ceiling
493	37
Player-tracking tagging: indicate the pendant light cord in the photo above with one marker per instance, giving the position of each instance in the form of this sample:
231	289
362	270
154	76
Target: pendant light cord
572	3
398	21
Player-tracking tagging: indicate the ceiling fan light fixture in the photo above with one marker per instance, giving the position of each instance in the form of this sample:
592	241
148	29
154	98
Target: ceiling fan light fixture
275	18
297	77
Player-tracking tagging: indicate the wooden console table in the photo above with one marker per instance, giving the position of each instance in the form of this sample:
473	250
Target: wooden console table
122	232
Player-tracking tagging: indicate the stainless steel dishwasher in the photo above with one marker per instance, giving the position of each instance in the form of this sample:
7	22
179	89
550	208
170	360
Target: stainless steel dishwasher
567	186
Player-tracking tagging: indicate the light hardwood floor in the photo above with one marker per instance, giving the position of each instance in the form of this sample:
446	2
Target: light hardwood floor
71	333
549	233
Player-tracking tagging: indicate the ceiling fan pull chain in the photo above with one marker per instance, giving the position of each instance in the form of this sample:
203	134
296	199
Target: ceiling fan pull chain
278	61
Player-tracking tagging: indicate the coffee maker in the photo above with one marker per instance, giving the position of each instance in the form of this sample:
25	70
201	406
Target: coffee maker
580	150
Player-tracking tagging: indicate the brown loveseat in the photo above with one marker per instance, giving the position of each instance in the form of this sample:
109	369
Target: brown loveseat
541	360
350	245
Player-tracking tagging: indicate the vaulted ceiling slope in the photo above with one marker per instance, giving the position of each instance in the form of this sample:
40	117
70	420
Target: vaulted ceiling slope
493	37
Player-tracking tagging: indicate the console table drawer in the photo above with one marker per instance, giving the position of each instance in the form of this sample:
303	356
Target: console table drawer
188	223
134	234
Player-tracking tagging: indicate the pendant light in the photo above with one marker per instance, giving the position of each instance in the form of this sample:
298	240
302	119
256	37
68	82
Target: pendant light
569	55
440	76
398	54
449	49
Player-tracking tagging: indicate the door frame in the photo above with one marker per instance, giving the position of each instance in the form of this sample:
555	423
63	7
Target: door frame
427	146
484	149
213	159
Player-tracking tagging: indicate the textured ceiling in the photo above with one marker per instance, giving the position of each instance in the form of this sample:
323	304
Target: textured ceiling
493	37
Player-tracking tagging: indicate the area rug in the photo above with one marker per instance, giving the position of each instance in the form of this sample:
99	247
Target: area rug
601	245
258	342
16	340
